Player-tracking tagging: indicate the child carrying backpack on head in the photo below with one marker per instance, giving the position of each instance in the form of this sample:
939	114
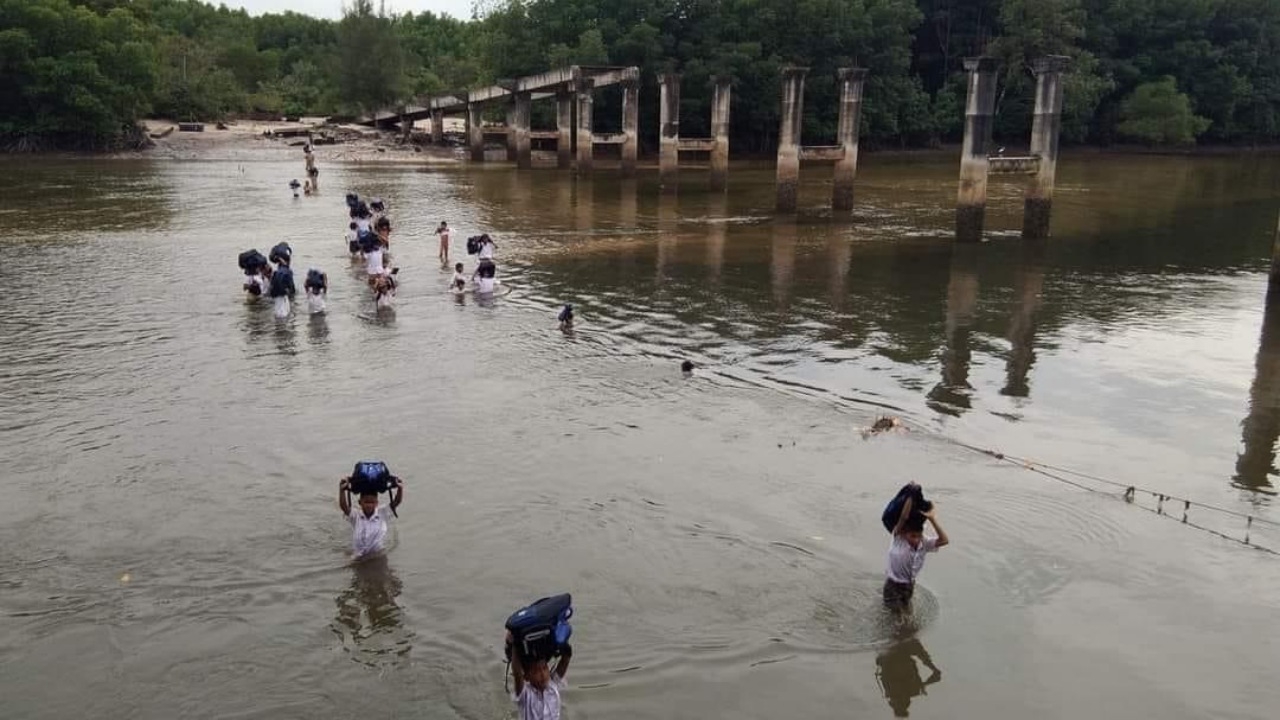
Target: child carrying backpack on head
369	519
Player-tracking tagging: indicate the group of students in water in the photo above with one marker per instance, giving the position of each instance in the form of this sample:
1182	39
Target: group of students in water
537	635
272	276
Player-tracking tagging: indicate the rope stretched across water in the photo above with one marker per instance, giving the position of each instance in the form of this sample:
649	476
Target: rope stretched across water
1129	492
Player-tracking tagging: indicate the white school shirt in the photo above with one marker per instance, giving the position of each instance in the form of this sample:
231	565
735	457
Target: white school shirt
453	284
368	534
905	562
485	284
362	224
373	262
544	705
351	237
486	251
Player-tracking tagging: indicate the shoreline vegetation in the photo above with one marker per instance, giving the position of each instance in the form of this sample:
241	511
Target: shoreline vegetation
80	74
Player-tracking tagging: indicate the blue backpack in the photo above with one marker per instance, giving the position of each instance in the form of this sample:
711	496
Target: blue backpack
368	241
919	506
542	630
370	476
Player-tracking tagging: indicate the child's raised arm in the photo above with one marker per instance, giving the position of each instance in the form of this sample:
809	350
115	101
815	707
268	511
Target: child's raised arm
344	498
399	496
562	667
517	666
902	516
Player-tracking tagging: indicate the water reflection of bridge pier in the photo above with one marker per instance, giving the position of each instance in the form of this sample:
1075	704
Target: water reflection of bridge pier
951	395
1255	465
1027	287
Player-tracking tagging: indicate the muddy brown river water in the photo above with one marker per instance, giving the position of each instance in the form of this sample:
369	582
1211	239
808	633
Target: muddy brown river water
170	546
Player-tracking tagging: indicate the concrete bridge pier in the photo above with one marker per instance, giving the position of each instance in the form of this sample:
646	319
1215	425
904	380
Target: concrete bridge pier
475	132
630	121
971	198
1045	128
564	128
852	81
669	132
720	133
586	109
788	174
437	127
522	117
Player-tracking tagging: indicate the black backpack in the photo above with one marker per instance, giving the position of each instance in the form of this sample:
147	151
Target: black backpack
473	244
315	280
919	506
281	253
368	241
282	282
251	261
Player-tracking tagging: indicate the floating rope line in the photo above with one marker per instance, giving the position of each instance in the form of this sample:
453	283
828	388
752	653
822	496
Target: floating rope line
1129	493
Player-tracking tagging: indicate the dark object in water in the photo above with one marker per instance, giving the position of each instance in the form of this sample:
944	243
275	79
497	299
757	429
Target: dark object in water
473	244
686	366
377	205
885	423
281	253
294	184
371	476
919	506
282	283
190	127
368	241
353	201
486	269
251	262
566	315
542	630
316	280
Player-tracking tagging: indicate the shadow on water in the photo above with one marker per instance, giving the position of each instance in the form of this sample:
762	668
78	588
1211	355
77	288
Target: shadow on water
369	621
898	673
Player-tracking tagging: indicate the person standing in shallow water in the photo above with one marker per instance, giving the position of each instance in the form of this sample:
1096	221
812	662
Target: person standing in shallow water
443	232
907	552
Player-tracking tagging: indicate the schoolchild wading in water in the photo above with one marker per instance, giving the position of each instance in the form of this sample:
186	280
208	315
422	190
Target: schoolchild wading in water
907	552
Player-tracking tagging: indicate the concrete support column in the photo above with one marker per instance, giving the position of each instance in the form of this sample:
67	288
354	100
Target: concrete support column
437	127
564	126
524	147
1261	428
788	177
475	132
669	131
586	109
971	199
630	121
720	133
1044	143
852	81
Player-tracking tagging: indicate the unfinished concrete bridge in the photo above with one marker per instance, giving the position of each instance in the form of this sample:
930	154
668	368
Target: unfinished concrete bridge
572	89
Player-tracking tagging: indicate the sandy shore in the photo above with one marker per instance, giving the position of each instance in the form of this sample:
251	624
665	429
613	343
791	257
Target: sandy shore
245	140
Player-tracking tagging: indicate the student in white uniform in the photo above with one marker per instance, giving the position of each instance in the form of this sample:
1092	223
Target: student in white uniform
537	686
487	246
368	519
907	553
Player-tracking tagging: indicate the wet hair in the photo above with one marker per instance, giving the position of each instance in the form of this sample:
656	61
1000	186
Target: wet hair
686	366
383	222
914	523
368	495
458	267
352	226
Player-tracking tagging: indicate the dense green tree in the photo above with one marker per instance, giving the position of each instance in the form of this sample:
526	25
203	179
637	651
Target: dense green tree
79	72
1158	114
